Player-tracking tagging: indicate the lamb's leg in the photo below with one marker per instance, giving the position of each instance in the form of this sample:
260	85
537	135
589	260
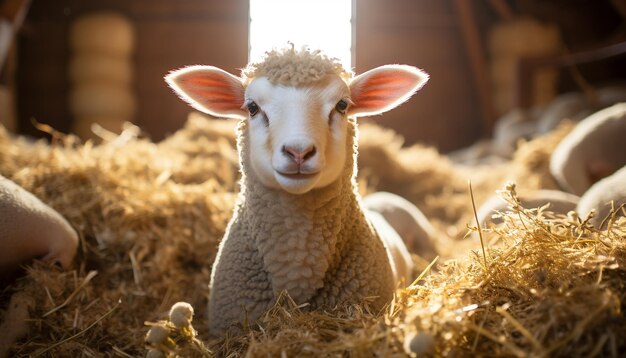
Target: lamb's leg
399	257
408	221
411	229
30	229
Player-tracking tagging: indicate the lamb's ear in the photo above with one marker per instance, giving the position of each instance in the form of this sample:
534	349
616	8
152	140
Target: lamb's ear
384	88
209	90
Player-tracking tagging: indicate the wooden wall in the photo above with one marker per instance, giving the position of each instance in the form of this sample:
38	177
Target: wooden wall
42	85
425	34
169	33
172	34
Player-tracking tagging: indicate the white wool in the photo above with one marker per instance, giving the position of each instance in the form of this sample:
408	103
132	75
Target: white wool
557	201
406	223
298	226
604	195
317	246
594	149
31	229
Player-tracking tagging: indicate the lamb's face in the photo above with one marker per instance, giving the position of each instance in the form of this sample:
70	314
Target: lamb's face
297	135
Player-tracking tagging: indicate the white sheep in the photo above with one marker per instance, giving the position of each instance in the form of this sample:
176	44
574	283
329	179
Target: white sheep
576	106
593	150
608	193
30	229
298	225
558	202
407	220
573	106
525	124
516	125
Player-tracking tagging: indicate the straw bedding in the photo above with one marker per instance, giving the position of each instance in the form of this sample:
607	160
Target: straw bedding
151	216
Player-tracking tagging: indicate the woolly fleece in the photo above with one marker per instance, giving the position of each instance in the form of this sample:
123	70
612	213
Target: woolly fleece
580	154
31	229
290	67
604	195
318	246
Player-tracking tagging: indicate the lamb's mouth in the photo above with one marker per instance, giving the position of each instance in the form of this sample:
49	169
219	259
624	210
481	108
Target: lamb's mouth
298	175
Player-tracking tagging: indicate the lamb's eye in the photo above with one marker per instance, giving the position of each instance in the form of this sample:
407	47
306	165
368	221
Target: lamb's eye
341	106
253	108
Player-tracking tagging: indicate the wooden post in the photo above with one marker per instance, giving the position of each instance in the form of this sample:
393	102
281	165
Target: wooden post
12	13
477	62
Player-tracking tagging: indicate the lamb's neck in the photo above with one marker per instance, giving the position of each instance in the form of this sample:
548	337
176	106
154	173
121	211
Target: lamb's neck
297	235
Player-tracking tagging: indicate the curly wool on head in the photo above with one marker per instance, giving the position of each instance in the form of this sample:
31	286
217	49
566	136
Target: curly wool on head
291	67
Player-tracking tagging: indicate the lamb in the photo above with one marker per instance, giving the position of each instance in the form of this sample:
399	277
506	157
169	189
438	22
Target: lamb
298	225
592	151
608	193
30	229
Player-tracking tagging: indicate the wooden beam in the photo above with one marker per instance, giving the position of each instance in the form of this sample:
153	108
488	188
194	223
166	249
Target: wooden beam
527	67
469	31
12	13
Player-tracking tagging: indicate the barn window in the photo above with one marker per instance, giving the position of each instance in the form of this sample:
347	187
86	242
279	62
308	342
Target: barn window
320	24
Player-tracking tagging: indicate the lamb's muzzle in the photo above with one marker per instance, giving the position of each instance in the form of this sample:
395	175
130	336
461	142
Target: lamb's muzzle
299	153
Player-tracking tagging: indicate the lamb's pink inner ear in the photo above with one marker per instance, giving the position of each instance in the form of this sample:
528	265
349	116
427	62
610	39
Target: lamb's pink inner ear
384	88
209	90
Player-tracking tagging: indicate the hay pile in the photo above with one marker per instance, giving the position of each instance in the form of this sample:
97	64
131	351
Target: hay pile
151	216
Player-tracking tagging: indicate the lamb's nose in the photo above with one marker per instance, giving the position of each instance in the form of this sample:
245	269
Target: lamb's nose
299	154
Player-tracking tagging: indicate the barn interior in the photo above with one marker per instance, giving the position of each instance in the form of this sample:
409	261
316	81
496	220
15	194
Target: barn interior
88	126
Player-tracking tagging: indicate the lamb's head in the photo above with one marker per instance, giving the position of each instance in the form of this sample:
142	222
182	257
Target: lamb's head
297	104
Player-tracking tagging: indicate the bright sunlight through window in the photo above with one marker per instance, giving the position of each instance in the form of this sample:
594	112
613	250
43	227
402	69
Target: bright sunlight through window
318	24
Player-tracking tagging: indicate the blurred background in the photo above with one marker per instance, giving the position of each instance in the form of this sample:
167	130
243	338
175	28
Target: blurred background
72	63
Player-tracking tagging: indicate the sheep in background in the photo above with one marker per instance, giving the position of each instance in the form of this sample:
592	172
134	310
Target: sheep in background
610	95
558	202
524	124
608	193
576	106
572	106
406	220
593	150
29	229
298	225
515	125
